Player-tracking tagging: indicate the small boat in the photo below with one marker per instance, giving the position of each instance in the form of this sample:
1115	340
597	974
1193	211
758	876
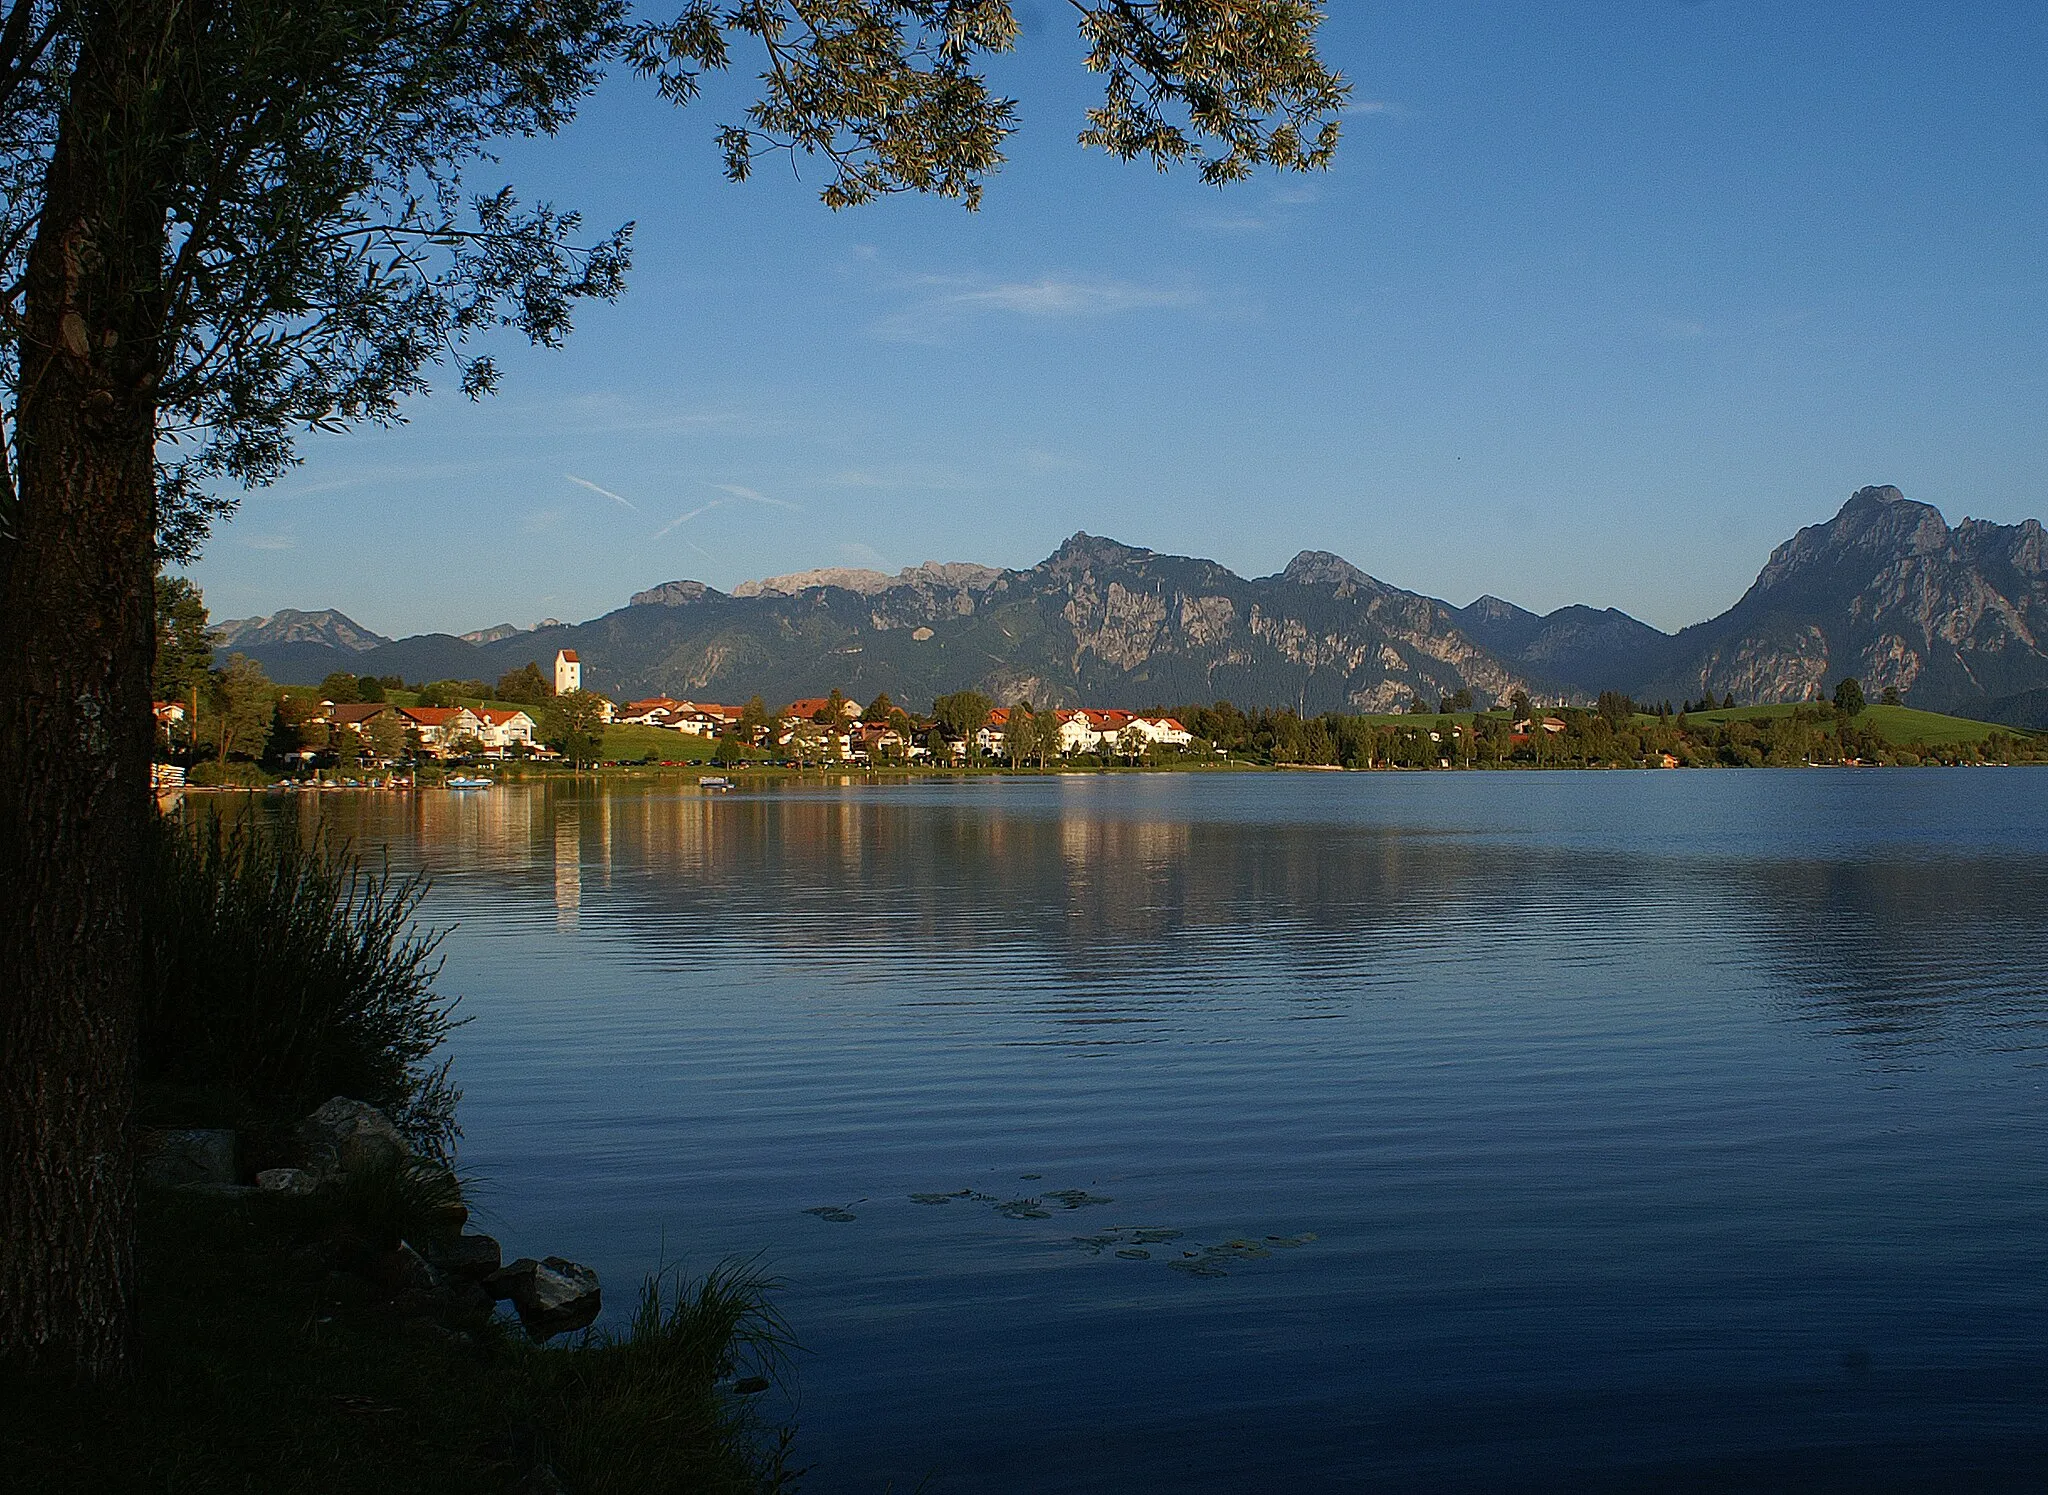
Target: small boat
714	782
467	783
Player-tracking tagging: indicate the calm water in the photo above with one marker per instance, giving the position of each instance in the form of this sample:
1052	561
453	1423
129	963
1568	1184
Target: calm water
1650	1129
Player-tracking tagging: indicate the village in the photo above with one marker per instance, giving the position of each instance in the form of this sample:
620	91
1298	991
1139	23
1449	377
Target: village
813	729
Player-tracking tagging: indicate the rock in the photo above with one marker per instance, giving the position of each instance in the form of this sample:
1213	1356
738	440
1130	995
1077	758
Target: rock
404	1270
469	1300
552	1296
471	1256
347	1136
295	1182
191	1158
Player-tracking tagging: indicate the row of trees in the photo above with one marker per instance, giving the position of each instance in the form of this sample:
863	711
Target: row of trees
1811	733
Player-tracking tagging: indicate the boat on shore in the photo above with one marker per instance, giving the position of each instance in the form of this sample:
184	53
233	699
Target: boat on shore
462	782
715	781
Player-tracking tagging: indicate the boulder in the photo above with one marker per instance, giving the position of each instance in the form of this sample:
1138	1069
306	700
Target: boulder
293	1181
404	1270
348	1136
471	1256
202	1158
551	1296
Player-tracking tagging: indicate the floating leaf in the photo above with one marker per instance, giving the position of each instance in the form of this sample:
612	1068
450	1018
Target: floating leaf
1031	1178
1198	1268
1150	1237
833	1213
1236	1251
933	1198
1076	1198
1094	1244
1134	1253
1289	1242
1023	1209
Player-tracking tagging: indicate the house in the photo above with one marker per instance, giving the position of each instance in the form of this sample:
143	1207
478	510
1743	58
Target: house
872	740
811	707
991	736
1164	731
643	713
169	713
1077	734
702	720
441	727
568	672
504	731
355	716
1552	725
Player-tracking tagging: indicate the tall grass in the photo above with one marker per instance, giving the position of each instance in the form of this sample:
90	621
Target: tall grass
282	971
651	1412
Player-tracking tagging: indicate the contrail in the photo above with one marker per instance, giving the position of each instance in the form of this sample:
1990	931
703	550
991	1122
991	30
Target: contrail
686	518
586	483
753	497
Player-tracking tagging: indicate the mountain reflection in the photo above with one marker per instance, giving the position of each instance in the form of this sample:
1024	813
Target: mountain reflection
1090	902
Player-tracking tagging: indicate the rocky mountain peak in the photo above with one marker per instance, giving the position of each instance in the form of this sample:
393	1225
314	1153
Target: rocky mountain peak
288	625
1323	568
1492	609
668	594
1083	549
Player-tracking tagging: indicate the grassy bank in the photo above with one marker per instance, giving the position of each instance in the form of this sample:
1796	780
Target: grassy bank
326	1336
264	1369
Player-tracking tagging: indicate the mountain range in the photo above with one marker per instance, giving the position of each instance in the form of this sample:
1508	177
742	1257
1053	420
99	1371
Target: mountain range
1887	591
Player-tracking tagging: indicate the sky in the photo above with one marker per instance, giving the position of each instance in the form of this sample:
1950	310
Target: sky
1599	304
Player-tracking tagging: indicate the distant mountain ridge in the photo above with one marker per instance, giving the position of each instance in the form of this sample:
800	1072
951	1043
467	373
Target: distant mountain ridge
1886	591
290	626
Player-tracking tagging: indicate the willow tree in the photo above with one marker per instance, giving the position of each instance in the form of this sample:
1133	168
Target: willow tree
226	222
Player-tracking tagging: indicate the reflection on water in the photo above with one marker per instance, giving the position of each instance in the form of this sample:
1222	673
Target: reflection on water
1239	1132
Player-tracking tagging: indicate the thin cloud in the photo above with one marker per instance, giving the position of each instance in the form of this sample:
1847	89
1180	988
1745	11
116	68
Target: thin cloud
754	497
606	492
942	303
1057	296
270	542
715	503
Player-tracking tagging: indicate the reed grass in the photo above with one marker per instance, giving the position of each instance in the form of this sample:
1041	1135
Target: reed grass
281	971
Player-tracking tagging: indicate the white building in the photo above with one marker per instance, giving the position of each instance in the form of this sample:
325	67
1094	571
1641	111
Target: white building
503	731
568	672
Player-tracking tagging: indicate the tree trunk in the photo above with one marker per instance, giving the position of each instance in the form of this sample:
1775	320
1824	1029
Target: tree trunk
77	633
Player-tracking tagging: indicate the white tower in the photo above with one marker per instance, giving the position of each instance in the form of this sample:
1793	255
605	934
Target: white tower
568	672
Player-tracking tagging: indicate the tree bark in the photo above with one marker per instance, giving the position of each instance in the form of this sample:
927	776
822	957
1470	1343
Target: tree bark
77	633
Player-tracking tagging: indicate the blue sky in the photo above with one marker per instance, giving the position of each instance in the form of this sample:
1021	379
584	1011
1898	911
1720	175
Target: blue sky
1600	303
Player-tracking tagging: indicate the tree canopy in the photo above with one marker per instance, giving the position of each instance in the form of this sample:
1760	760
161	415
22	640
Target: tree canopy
326	238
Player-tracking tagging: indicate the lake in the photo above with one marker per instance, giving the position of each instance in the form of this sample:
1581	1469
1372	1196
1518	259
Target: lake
1297	1131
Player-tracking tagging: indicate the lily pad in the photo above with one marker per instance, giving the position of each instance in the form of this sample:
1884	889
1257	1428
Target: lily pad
1236	1251
1150	1237
1094	1245
833	1213
1290	1242
1198	1268
1076	1198
1134	1253
1023	1209
933	1198
1031	1178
